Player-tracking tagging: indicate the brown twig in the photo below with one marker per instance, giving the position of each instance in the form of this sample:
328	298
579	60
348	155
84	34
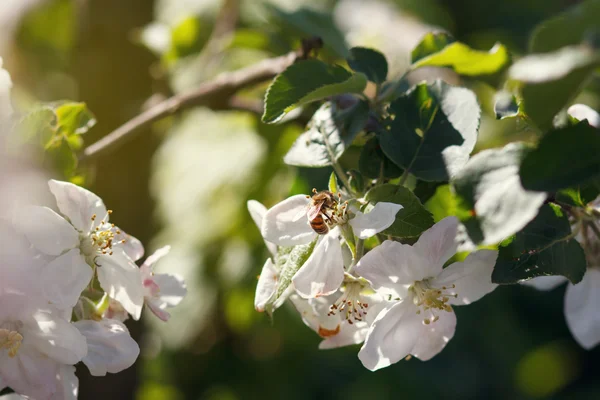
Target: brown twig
214	94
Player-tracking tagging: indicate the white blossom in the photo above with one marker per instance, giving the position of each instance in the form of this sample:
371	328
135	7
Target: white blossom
84	243
420	321
161	291
287	224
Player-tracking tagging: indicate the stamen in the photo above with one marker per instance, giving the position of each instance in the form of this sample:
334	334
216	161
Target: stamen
10	340
349	303
431	300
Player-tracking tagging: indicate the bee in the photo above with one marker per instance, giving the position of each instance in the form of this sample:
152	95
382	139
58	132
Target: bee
321	211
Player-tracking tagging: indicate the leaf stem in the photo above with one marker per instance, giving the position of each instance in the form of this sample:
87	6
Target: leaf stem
360	250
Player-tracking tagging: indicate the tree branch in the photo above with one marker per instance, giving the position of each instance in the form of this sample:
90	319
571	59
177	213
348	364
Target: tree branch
214	94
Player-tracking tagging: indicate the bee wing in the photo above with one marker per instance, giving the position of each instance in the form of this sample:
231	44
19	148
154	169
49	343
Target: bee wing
314	211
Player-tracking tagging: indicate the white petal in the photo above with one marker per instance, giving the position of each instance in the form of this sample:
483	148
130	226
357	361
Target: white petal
257	212
323	272
286	223
391	267
581	309
172	289
46	230
392	336
265	288
68	382
399	331
155	257
546	282
434	337
438	243
78	204
64	278
132	246
381	217
582	111
122	280
111	348
472	278
56	337
30	373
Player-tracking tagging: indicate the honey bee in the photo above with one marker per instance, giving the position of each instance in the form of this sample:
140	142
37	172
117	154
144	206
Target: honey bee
321	211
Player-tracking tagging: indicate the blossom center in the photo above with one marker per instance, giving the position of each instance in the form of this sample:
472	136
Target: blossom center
10	339
101	239
348	305
431	300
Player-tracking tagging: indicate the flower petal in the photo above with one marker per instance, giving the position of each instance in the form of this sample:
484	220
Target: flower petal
56	337
545	282
257	212
110	347
391	267
46	230
581	309
392	336
286	223
122	280
434	337
472	278
381	217
438	244
323	272
64	278
172	289
129	244
265	288
68	382
148	264
78	204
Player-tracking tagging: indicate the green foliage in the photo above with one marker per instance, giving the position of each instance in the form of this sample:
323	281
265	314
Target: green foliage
461	58
442	204
305	82
566	29
187	37
431	43
433	131
330	133
411	220
370	62
288	262
564	158
373	163
492	204
543	247
56	127
305	22
550	81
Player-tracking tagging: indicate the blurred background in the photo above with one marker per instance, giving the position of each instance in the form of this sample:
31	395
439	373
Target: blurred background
186	180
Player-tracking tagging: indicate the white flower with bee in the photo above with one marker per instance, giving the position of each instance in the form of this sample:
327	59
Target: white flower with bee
301	219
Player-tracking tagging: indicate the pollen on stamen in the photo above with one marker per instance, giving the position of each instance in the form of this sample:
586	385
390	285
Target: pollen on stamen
93	217
109	212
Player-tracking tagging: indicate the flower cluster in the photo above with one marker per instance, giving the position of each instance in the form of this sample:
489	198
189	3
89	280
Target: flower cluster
396	298
68	281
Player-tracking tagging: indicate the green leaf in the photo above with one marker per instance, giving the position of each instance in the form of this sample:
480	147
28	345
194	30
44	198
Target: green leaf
425	190
333	184
542	248
551	81
331	131
307	22
74	118
467	61
442	204
431	43
433	131
374	164
564	158
370	62
63	157
37	126
305	82
288	264
566	29
492	204
411	220
505	105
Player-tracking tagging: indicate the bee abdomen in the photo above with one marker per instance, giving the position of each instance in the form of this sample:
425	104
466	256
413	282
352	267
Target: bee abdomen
318	224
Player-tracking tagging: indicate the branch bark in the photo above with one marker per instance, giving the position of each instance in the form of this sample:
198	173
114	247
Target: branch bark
215	94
